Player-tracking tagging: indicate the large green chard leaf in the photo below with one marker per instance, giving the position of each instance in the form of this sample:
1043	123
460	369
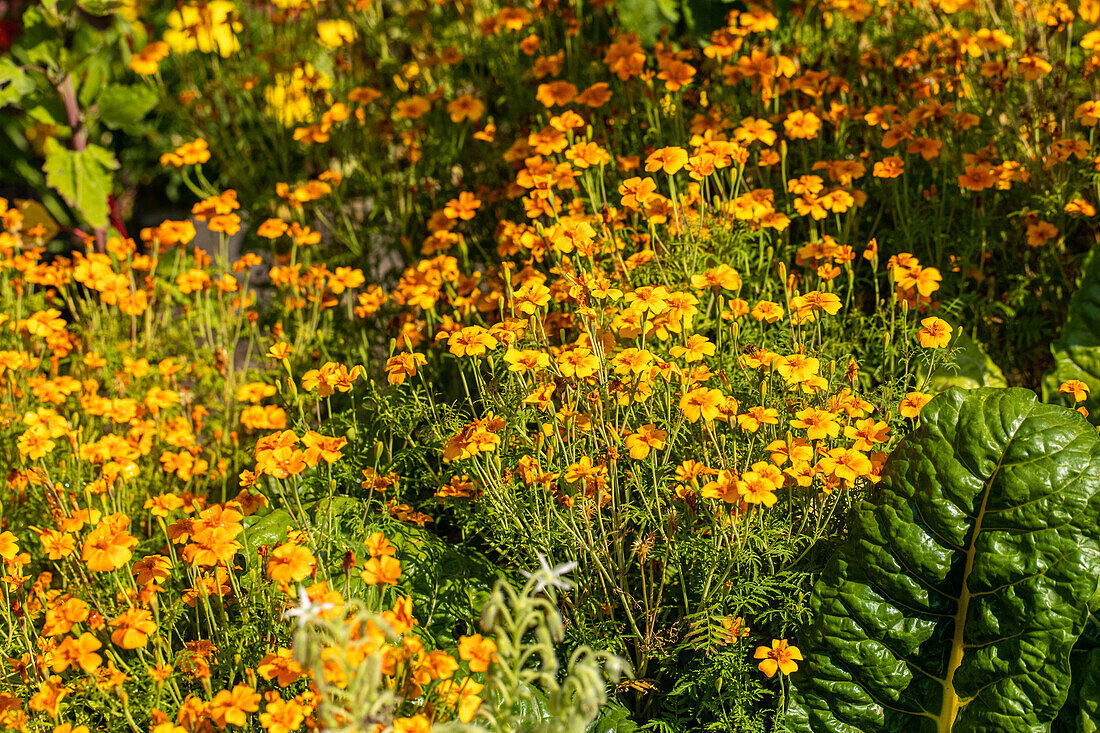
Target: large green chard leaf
966	580
1077	349
1081	713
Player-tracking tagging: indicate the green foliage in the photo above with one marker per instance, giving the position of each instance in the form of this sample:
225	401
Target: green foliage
451	584
1077	350
966	581
972	369
123	106
15	83
82	177
1081	713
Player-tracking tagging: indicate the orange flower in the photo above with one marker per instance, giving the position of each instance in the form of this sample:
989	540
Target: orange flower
108	546
281	716
290	562
79	652
647	437
232	706
935	333
801	125
818	424
384	570
416	724
702	403
911	405
578	363
670	160
478	651
132	628
471	341
9	546
1075	387
780	657
556	93
378	546
147	60
464	207
636	192
465	107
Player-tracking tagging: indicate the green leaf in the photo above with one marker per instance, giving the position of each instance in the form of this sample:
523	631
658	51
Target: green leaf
14	83
1077	350
100	7
82	177
974	369
1081	713
647	17
123	106
613	718
967	577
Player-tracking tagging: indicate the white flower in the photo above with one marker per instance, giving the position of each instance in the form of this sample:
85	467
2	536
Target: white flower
547	575
307	612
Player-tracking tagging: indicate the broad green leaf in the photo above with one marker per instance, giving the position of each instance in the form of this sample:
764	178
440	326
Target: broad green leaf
1081	713
974	369
82	177
1077	350
123	106
966	579
14	83
647	17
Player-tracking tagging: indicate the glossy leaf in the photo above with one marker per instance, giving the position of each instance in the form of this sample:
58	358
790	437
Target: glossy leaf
1077	350
973	369
1081	713
967	577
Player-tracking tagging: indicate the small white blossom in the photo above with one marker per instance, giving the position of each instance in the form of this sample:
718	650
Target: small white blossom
307	612
547	575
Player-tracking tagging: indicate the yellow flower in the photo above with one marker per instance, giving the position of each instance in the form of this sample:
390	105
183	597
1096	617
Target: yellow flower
1075	387
645	438
779	658
294	98
913	403
336	33
702	403
207	27
935	333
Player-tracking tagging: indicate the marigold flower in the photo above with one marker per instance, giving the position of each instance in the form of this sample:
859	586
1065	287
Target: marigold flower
231	707
701	403
1075	387
383	570
818	424
78	652
147	60
132	628
478	651
333	34
913	402
935	333
471	341
646	438
209	27
780	657
290	562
